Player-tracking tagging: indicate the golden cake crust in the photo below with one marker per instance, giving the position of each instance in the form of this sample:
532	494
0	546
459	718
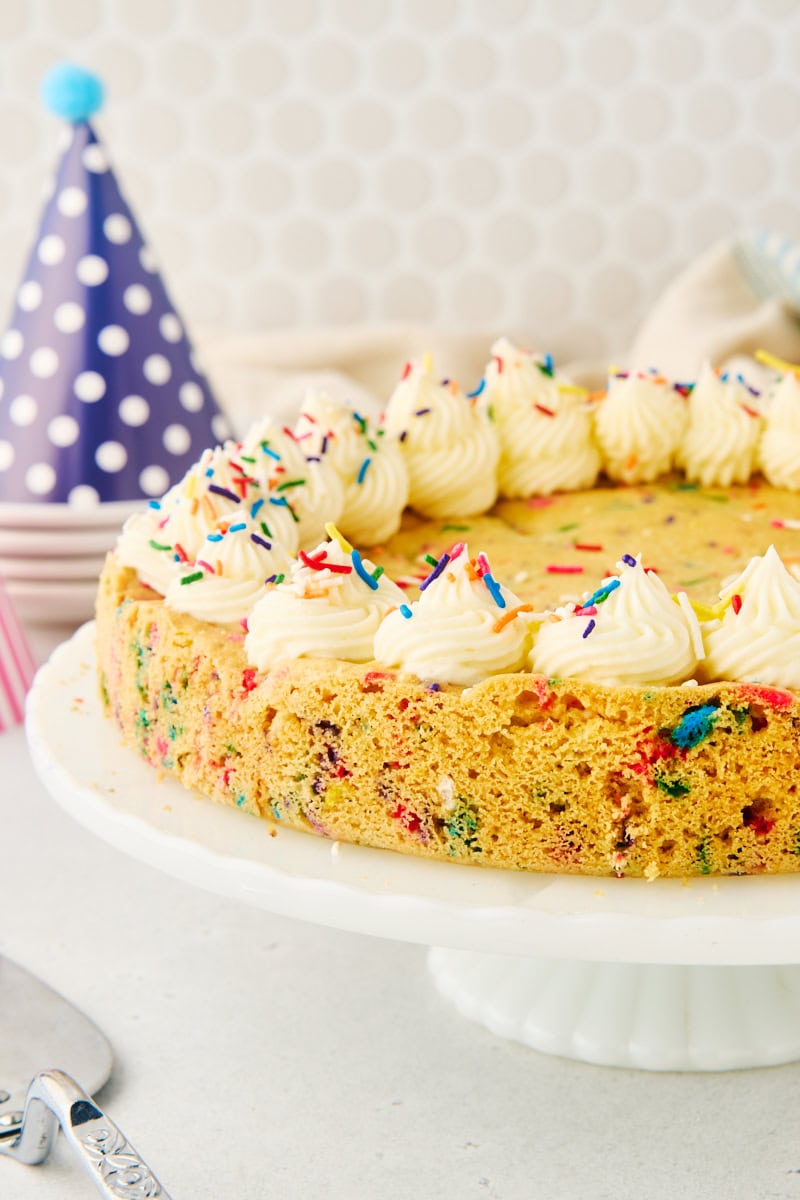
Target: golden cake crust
518	771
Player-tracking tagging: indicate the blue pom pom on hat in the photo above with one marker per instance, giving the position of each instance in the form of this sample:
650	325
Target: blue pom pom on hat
101	397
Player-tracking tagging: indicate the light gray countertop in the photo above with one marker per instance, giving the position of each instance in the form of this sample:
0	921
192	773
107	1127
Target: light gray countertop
258	1056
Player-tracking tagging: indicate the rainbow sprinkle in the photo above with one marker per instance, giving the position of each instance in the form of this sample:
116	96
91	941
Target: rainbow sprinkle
436	572
362	572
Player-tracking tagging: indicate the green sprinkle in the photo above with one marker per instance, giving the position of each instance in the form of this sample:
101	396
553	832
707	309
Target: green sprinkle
704	857
376	574
694	582
456	528
279	578
265	529
158	546
193	577
717	499
684	487
247	458
431	560
567	528
372	445
672	787
290	483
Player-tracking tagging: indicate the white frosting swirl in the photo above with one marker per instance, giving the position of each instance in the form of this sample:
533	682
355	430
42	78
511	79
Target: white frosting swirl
278	458
228	577
638	635
779	448
142	545
320	613
449	443
543	423
370	466
639	425
719	445
759	643
455	631
193	509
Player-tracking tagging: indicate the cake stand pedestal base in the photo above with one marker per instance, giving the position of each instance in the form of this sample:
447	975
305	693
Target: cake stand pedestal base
651	1017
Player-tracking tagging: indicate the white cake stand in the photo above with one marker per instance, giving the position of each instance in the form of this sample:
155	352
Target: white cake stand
671	975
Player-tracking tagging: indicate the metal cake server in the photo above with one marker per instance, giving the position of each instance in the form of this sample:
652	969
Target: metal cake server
38	1026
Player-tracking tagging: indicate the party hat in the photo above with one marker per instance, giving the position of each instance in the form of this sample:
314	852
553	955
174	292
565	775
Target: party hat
100	395
16	664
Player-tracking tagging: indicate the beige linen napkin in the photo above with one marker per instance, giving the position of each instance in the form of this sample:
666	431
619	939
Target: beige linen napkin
741	295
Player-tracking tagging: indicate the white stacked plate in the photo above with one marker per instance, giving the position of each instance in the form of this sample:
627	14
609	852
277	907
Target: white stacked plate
51	556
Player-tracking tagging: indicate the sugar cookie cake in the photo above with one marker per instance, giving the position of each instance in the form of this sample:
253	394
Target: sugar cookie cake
526	627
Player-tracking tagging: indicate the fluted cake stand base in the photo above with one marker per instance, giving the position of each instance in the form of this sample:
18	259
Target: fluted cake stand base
570	965
649	1016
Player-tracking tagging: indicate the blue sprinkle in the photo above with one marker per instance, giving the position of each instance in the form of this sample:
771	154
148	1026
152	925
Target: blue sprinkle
629	560
271	453
279	500
363	470
589	628
154	504
434	687
362	573
259	541
494	590
406	612
254	510
601	594
548	363
478	390
215	537
694	726
236	528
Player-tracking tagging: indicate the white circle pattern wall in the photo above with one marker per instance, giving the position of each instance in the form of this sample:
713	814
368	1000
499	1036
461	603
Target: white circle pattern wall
537	167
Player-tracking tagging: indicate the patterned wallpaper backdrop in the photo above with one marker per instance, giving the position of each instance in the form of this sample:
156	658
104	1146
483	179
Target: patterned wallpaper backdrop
542	167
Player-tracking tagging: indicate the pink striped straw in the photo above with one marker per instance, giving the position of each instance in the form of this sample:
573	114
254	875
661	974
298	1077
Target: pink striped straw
17	667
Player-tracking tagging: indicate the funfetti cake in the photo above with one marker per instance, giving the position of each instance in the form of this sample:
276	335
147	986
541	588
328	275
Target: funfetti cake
601	681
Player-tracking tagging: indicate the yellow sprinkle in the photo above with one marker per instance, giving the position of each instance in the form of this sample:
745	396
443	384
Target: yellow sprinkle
335	536
427	363
706	612
780	364
573	389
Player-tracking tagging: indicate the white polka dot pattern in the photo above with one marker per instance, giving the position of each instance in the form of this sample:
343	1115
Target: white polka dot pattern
304	163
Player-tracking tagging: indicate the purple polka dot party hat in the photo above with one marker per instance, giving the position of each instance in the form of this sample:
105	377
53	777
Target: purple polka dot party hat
101	398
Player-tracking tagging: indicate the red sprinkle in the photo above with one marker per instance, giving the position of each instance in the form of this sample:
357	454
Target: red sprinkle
499	362
317	563
249	681
590	546
736	603
542	408
181	553
406	371
556	569
208	567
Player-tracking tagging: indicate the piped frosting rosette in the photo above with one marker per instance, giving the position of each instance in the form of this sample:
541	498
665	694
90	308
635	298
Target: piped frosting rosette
330	606
142	546
629	632
543	423
757	639
229	574
464	627
639	424
369	464
300	471
449	444
719	444
778	455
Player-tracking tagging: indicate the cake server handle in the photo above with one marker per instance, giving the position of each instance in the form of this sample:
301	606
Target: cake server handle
54	1099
